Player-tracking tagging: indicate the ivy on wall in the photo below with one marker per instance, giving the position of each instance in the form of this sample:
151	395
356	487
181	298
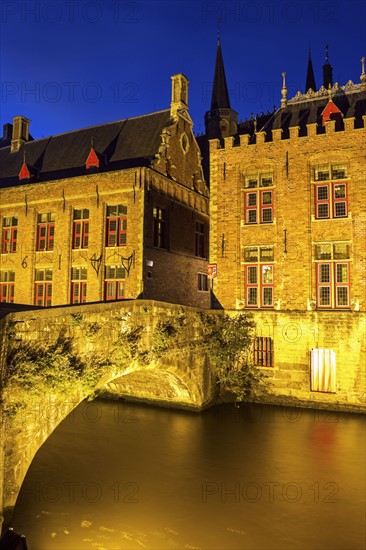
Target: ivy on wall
34	370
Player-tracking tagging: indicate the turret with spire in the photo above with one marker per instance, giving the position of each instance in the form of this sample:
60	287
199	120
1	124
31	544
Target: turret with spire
310	78
327	70
221	121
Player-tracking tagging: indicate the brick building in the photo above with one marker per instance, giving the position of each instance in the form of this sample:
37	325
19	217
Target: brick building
109	212
287	231
121	210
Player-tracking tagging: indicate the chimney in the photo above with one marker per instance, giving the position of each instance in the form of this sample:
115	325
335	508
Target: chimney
179	94
7	132
20	132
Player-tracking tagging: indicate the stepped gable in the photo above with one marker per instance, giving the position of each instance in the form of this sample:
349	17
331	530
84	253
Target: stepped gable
125	143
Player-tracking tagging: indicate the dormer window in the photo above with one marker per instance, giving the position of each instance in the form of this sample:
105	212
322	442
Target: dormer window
24	174
92	162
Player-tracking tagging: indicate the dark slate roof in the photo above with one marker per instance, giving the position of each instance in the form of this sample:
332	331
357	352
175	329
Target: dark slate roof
309	112
220	95
125	143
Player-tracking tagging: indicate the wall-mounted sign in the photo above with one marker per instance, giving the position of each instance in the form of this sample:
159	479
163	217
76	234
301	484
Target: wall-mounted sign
212	271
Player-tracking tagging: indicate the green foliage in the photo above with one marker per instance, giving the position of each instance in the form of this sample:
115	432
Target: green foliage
166	333
91	329
34	370
228	344
76	319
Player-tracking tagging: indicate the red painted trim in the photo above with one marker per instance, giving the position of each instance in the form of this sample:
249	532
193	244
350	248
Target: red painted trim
92	160
24	173
329	110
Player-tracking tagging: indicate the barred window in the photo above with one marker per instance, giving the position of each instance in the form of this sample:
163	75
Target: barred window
263	352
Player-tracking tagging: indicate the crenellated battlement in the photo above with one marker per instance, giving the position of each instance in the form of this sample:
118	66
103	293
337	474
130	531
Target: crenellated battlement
313	130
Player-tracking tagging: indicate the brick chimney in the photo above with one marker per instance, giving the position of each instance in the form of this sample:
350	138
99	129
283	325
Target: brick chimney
179	94
7	132
20	132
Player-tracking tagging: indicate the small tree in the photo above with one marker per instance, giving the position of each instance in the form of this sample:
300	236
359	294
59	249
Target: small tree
228	342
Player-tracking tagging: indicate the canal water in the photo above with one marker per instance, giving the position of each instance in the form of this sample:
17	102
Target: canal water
116	475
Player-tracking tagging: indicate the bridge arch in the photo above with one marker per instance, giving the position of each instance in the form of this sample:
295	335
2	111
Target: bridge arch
179	377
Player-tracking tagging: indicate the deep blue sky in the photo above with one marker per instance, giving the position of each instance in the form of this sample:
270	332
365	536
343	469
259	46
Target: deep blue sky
75	63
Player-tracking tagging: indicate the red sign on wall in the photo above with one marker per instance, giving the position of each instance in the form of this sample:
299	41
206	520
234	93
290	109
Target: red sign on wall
212	271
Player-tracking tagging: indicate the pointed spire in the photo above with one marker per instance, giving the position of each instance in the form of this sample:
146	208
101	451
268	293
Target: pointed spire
220	121
310	78
327	70
284	91
363	74
220	95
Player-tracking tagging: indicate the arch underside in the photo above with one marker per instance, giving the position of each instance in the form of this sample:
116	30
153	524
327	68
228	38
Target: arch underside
153	385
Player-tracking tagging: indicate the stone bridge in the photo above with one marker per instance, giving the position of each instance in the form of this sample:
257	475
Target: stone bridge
53	359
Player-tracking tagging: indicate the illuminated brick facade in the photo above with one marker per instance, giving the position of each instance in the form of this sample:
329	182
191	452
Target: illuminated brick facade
105	213
288	237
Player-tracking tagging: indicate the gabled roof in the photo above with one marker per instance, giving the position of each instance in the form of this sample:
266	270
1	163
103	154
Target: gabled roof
129	142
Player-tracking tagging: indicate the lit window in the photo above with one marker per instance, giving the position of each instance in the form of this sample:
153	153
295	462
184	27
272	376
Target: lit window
116	225
259	283
78	285
7	279
115	282
45	231
263	352
43	287
331	197
9	235
81	229
258	204
332	276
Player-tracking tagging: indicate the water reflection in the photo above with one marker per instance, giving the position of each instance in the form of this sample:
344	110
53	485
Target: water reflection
122	476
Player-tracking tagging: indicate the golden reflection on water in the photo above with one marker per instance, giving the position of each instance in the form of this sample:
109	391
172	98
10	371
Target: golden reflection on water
145	477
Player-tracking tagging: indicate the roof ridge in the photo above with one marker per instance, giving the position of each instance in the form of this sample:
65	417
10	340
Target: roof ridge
100	125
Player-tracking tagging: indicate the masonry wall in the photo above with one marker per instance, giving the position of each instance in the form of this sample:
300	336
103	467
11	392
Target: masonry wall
175	273
295	334
291	161
61	197
295	323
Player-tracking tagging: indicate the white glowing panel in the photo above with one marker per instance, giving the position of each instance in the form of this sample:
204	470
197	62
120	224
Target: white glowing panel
323	370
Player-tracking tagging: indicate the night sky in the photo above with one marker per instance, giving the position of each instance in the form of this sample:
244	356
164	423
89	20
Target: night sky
76	63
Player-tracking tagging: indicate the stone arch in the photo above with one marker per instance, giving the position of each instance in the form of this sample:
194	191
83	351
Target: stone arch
181	377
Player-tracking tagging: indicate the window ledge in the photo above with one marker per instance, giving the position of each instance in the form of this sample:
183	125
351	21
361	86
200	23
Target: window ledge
314	219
